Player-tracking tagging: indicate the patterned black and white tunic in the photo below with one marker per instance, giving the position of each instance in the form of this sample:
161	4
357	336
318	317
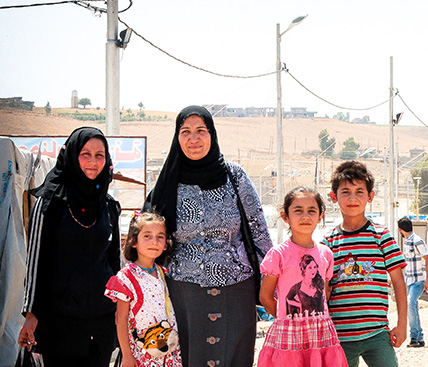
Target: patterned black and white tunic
208	248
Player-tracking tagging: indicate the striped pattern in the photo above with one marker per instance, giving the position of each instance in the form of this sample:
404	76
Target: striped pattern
34	236
359	299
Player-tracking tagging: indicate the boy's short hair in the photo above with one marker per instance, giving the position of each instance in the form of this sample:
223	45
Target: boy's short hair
350	171
405	224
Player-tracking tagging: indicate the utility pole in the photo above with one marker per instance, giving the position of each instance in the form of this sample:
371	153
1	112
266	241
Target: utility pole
112	70
392	201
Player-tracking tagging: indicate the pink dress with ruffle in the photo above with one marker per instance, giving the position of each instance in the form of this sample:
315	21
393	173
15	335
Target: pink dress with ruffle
303	334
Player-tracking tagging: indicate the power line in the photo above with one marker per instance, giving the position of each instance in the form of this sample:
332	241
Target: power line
402	100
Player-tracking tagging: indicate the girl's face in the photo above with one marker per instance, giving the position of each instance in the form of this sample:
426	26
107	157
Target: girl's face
151	241
92	158
194	138
303	214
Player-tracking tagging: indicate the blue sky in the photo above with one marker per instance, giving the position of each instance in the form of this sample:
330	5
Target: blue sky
341	52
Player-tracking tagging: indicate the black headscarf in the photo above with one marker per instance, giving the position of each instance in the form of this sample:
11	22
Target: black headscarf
67	182
208	172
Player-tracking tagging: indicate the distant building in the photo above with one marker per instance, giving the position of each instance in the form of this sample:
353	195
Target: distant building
222	110
74	99
16	102
299	112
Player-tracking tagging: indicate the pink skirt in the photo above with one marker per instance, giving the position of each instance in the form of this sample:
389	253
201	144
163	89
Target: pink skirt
306	342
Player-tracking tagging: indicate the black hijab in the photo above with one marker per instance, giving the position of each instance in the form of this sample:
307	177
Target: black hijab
208	172
67	182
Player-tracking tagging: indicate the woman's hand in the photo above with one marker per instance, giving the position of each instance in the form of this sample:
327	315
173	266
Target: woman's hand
26	335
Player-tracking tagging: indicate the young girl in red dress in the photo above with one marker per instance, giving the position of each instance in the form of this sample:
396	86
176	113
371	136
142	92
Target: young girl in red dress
146	325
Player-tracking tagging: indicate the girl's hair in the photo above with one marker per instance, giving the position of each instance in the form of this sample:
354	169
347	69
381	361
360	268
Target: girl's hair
288	200
138	221
317	281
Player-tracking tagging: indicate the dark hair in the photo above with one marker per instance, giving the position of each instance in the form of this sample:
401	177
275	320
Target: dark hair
317	281
350	171
288	199
405	224
138	221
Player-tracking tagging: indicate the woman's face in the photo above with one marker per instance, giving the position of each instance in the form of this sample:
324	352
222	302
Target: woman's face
194	138
92	158
311	270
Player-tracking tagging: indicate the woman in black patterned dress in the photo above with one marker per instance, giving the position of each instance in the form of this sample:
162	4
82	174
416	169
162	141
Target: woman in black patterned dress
210	278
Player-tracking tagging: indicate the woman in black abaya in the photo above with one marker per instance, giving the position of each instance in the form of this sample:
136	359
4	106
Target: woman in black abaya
74	248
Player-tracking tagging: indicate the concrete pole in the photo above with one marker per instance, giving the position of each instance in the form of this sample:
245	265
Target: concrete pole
279	150
112	70
392	205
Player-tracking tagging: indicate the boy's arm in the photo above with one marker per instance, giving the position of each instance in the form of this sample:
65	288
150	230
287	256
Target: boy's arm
267	292
398	334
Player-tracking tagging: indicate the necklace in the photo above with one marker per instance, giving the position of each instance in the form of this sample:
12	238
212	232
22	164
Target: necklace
80	224
149	270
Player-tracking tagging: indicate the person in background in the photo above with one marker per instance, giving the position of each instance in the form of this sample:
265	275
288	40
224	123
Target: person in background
210	279
364	255
74	248
416	253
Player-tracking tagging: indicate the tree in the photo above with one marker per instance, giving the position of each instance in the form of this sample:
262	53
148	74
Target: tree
141	105
342	117
84	102
48	108
327	145
421	170
350	148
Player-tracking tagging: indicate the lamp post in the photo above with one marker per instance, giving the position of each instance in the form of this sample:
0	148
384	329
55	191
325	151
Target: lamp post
279	150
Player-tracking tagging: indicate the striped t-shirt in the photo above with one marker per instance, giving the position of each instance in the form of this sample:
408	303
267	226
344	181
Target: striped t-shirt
359	299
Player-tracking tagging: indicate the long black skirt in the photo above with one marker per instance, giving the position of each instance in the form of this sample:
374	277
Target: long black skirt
216	326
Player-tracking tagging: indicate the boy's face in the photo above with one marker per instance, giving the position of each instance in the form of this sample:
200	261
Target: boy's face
352	198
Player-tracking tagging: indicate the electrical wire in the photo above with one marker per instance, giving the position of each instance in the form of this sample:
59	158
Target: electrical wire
335	105
38	4
402	100
191	65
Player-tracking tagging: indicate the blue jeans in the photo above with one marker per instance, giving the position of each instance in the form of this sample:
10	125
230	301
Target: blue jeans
414	291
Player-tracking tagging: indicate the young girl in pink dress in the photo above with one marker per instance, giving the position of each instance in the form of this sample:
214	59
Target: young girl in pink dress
146	325
293	291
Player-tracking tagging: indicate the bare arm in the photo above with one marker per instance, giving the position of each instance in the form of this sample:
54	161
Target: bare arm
398	334
122	334
267	292
327	290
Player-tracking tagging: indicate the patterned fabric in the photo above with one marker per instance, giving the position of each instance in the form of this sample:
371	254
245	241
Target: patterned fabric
208	247
146	297
307	333
359	298
414	248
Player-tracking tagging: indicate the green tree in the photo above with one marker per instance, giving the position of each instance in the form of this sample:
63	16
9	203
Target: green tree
141	105
342	117
421	170
84	102
350	148
326	144
48	108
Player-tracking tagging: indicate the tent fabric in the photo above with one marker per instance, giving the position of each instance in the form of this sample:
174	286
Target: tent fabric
15	171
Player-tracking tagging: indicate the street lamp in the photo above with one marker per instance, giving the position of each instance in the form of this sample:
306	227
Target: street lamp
279	152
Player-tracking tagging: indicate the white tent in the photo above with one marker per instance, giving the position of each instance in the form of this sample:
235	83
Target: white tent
19	171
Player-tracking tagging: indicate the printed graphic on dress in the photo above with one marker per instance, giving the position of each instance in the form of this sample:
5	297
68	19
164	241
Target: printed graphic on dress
353	270
307	296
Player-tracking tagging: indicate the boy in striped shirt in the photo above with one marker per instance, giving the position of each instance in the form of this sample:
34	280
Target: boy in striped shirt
364	255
